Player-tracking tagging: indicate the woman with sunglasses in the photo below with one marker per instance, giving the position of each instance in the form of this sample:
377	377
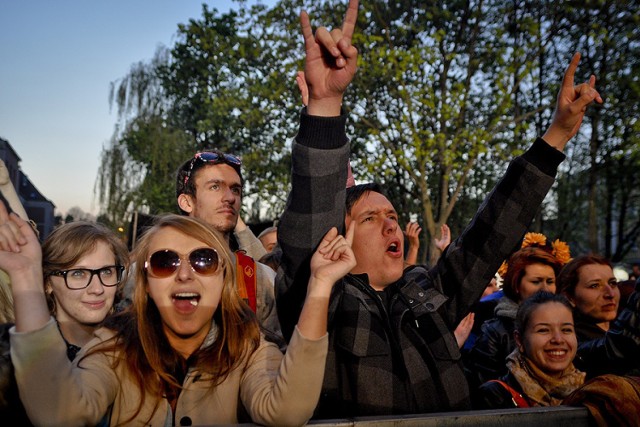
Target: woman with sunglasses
82	265
189	351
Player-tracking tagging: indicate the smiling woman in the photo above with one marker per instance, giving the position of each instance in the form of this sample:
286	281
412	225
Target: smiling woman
83	265
541	371
189	351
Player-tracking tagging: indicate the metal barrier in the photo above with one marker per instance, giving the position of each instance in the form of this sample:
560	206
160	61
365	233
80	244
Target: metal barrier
531	417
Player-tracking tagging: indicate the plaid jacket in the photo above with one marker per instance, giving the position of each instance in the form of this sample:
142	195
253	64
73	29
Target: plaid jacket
400	357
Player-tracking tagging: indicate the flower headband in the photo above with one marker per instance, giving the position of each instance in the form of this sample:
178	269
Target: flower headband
559	249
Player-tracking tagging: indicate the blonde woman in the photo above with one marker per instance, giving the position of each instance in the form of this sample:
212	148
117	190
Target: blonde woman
188	352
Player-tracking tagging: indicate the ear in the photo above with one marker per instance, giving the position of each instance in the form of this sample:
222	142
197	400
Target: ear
518	339
571	299
186	202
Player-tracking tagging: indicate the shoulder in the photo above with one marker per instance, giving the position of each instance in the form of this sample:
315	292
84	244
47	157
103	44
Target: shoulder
265	274
494	395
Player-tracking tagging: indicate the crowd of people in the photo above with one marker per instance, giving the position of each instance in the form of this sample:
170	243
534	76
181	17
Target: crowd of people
328	315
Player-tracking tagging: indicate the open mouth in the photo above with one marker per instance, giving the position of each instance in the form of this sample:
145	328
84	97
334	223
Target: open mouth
184	298
394	248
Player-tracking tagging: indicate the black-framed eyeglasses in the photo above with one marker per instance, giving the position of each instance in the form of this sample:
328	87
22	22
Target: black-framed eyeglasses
211	157
80	278
165	262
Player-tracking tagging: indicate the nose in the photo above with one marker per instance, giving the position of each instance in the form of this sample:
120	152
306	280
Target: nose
229	195
556	336
609	293
389	226
185	272
95	286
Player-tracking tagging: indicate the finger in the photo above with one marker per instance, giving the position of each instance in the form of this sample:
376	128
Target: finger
567	80
326	241
324	39
592	85
4	213
307	33
338	241
349	52
11	238
586	95
351	231
350	19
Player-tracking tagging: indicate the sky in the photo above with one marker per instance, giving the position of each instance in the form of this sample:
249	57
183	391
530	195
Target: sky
57	60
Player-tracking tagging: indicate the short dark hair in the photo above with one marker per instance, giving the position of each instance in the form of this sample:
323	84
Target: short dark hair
568	278
529	305
186	174
356	192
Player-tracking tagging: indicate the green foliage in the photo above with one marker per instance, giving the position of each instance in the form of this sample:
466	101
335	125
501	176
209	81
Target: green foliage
446	93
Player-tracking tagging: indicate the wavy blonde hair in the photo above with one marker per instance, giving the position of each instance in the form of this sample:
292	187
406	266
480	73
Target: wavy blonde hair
150	360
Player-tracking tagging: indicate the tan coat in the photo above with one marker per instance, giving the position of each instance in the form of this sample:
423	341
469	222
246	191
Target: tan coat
274	389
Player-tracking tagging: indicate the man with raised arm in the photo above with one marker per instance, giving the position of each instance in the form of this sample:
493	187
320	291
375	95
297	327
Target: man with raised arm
392	349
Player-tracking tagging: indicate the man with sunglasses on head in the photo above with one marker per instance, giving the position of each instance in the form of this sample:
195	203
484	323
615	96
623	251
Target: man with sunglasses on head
209	187
392	348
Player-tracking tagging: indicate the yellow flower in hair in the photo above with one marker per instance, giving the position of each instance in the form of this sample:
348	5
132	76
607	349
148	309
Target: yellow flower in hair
503	269
534	239
561	251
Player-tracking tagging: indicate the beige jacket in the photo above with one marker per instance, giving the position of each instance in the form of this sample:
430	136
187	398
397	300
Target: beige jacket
273	389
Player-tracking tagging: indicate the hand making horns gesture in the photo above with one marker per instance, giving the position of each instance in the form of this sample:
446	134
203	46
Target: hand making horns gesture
571	105
331	62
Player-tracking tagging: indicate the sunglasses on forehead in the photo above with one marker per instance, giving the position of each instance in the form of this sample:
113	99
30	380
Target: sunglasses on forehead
209	157
166	262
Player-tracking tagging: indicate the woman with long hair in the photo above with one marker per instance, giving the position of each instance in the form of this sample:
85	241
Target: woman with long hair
83	266
188	352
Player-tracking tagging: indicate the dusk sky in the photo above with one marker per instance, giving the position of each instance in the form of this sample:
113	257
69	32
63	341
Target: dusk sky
57	59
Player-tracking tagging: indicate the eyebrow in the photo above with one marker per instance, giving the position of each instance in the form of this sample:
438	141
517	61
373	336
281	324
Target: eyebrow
549	324
377	211
222	181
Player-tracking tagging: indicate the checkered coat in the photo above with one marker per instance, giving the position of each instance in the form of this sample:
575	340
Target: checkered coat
400	357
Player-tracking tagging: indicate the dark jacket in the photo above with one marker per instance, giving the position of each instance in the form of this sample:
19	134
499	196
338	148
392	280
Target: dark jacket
400	357
487	358
618	350
493	395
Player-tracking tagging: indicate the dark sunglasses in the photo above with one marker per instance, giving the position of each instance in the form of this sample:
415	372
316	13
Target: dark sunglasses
165	262
209	157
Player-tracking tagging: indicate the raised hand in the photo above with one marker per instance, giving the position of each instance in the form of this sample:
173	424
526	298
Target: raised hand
464	328
412	232
331	62
21	258
334	258
445	238
331	261
571	106
19	246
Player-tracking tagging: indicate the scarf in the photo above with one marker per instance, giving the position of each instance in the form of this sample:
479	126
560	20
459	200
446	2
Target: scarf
506	307
542	389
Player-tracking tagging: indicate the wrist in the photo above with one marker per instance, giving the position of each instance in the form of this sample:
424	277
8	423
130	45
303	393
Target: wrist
555	138
325	107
